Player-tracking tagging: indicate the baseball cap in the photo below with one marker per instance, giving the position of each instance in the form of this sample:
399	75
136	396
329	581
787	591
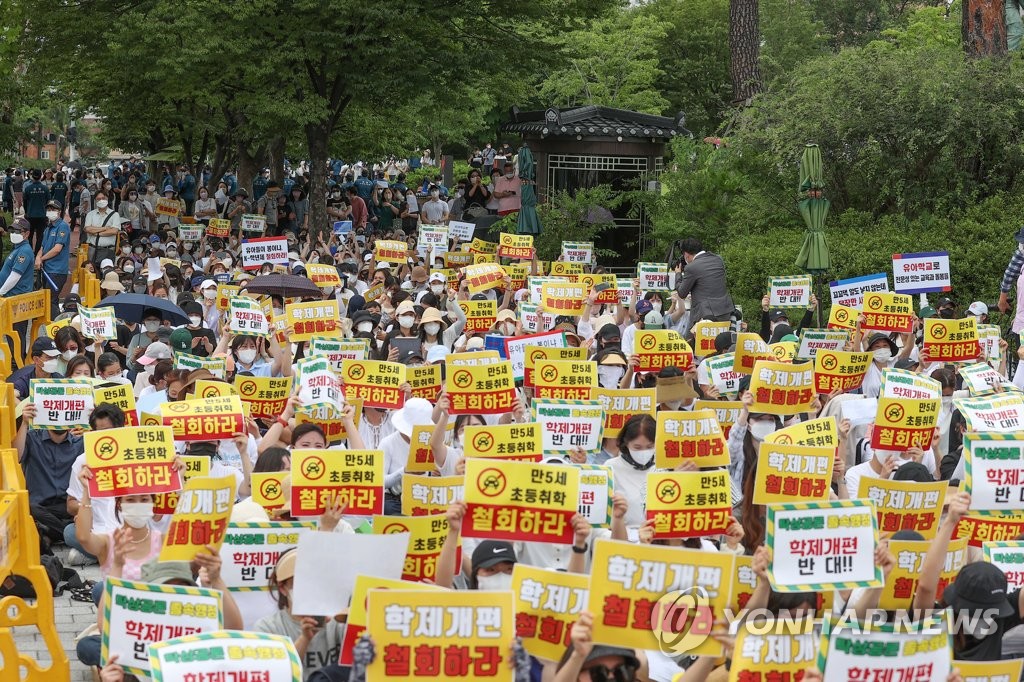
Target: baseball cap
207	283
492	552
977	308
643	307
777	314
44	345
383	265
724	341
437	277
979	585
20	225
180	341
944	301
161	572
155	351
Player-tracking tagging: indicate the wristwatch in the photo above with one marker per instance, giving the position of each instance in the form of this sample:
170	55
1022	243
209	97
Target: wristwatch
581	550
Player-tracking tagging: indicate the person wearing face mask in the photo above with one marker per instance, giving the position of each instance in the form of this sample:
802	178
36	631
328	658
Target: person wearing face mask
505	324
745	438
17	274
883	355
248	358
612	367
434	211
446	457
507	190
52	258
45	365
640	311
46	457
636	443
201	341
102	226
151	318
150	199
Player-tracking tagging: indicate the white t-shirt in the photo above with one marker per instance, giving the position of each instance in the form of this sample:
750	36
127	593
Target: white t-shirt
633	485
103	519
396	454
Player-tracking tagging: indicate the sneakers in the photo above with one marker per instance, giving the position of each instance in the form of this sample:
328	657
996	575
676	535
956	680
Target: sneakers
76	558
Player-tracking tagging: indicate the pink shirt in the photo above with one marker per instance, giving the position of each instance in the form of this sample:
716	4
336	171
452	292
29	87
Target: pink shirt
510	203
1018	320
133	567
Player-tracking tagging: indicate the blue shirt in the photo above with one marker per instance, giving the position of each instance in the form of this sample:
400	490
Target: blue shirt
57	233
35	194
187	187
287	185
59	192
364	187
47	465
259	187
21	378
21	261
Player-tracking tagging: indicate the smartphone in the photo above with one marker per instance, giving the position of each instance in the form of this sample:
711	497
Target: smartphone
601	286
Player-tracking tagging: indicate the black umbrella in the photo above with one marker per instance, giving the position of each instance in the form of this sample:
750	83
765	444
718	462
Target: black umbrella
130	307
285	286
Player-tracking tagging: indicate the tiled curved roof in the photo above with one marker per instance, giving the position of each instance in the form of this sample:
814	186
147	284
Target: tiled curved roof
595	121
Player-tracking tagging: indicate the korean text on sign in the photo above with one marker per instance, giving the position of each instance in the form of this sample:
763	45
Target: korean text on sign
782	388
358	616
662	348
902	424
994	471
317	318
689	504
520	501
61	403
905	505
351	477
377	384
415	632
422	495
548	602
792	473
819	432
921	273
901	583
620	404
919	653
251	550
427	535
694	436
200	519
131	460
570	424
839	370
504	441
225	655
488	389
888	312
534	354
789	292
565	379
850	292
951	340
204	419
563	298
750	349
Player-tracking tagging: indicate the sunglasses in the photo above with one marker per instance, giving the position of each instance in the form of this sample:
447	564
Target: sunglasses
620	673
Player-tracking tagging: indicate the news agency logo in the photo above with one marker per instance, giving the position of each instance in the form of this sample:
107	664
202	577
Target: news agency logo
682	620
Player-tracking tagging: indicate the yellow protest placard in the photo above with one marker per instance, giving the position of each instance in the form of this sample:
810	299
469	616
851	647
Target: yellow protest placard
504	441
520	501
481	258
377	384
131	460
689	504
355	625
901	583
484	276
990	671
266	396
660	348
519	273
487	389
390	251
784	351
950	340
207	388
219	227
726	411
165	206
430	494
204	419
323	275
690	436
226	292
749	350
902	423
842	317
622	403
888	312
515	246
548	602
571	271
780	651
606	282
838	370
534	354
425	380
565	379
316	318
353	477
482	246
268	489
419	648
200	519
457	259
744	582
819	432
480	315
630	606
329	421
427	535
122	396
704	334
792	473
421	456
905	505
563	298
781	388
166	503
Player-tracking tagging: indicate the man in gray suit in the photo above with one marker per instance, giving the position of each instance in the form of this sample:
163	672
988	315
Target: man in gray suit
704	281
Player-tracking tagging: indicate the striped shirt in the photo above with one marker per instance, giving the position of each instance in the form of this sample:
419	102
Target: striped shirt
1012	271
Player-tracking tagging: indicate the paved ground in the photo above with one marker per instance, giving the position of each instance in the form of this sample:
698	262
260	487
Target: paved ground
71	618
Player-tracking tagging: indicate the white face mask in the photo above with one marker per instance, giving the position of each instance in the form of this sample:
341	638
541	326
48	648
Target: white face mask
435	195
656	306
52	216
102	203
674	404
497	582
609	376
432	327
137	514
364	327
195	320
882	355
247	355
380	343
17	237
642	457
126	250
761	429
51	366
437	289
209	294
508	329
947	402
69	354
327	290
407	321
228	263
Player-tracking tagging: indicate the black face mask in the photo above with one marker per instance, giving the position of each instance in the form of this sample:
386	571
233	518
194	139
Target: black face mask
947	314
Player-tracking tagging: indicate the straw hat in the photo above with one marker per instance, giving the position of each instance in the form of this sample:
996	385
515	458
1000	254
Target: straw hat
111	282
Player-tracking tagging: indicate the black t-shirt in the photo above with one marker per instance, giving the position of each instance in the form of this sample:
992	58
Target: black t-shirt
200	348
124	338
989	647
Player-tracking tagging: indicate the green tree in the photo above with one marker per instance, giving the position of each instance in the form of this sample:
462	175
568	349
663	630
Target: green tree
613	62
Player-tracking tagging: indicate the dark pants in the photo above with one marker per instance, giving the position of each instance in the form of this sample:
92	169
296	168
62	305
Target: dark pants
51	517
55	283
392	504
38	225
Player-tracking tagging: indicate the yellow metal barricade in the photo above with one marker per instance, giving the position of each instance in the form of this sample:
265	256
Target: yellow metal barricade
19	555
33	307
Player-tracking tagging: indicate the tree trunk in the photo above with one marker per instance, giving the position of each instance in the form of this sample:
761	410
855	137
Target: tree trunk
744	50
984	28
247	167
317	137
277	150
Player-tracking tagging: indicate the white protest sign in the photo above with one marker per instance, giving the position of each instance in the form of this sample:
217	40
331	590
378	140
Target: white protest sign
461	231
998	413
98	323
318	384
432	238
61	403
813	340
921	273
578	252
251	550
722	375
626	293
337	350
256	252
596	488
988	337
1008	557
822	545
515	348
536	284
919	653
320	592
533	320
229	655
789	292
992	471
140	614
899	383
981	379
860	411
570	424
850	292
190	233
154	269
246	317
216	366
653	276
254	224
